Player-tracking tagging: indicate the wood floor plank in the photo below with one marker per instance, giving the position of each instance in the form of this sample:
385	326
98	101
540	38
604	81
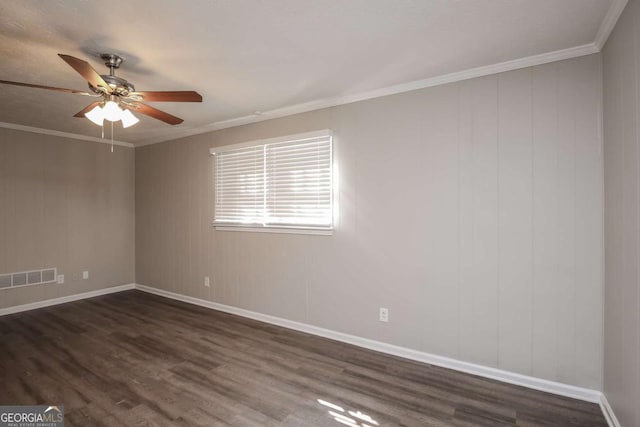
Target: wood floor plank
134	359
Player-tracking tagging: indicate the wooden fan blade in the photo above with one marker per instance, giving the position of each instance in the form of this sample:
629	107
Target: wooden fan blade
155	113
171	96
86	71
59	89
86	109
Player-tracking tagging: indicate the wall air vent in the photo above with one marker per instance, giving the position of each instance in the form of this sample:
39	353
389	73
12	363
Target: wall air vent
25	278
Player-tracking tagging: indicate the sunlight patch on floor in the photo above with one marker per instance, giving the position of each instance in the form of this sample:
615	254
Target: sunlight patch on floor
351	418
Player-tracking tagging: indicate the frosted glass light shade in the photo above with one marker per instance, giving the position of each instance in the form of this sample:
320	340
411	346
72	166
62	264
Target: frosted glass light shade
95	115
128	119
112	111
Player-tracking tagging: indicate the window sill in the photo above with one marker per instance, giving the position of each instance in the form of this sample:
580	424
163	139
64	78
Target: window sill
282	230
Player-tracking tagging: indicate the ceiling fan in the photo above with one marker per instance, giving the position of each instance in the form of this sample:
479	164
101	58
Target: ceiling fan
118	97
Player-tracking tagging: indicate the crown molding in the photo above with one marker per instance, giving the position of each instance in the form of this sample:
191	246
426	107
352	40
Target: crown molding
609	22
471	73
63	134
606	27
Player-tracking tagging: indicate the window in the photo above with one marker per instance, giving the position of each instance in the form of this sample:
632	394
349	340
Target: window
281	183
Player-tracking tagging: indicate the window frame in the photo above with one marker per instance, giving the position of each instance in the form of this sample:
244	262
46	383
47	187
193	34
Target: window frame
276	228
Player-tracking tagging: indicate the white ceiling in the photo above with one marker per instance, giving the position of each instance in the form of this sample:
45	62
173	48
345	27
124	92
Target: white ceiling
245	56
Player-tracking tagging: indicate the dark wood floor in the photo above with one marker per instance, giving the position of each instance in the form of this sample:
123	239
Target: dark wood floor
133	359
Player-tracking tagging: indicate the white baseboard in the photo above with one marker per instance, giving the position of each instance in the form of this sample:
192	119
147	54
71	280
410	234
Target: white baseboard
62	300
607	411
580	393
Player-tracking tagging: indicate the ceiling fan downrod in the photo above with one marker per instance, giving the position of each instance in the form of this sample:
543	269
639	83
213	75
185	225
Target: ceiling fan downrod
119	86
112	61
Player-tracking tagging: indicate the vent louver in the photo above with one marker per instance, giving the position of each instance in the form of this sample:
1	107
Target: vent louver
25	278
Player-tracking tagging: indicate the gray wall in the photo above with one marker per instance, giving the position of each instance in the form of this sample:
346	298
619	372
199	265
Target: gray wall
473	211
622	217
66	204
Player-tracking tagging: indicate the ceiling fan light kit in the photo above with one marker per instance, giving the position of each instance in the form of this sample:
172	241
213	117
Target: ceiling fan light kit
112	112
119	96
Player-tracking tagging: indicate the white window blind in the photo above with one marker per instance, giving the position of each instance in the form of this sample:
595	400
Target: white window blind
279	183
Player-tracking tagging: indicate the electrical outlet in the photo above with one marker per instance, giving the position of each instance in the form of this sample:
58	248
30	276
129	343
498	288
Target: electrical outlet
85	275
60	279
384	314
206	281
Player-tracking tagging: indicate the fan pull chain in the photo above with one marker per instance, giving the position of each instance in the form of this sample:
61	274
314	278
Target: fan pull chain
112	137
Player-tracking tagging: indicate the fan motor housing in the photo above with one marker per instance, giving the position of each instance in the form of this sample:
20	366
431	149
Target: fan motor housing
119	85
